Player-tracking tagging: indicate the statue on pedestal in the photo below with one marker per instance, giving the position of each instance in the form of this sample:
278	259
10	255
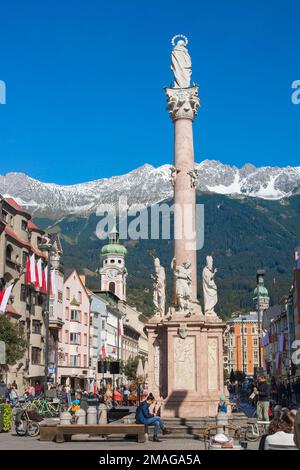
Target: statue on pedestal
183	287
210	293
181	63
159	287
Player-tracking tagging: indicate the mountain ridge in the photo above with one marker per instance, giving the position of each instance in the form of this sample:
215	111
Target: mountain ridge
148	185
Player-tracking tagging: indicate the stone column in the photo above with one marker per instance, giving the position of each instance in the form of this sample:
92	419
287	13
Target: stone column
183	104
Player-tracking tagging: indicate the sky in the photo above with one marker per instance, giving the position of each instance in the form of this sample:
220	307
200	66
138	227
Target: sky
84	82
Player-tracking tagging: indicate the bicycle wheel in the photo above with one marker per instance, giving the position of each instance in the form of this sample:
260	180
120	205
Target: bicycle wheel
249	436
33	429
21	428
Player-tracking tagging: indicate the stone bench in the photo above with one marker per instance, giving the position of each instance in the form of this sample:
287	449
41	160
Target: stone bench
65	432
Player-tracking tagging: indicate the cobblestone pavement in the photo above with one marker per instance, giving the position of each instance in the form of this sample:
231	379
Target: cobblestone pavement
11	441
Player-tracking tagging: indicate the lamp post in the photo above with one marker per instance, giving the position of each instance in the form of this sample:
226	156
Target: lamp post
48	247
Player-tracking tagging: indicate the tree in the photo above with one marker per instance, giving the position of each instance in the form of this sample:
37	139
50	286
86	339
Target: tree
13	335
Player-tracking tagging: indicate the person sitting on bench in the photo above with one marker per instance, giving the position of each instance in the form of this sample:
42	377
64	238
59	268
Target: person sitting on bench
143	416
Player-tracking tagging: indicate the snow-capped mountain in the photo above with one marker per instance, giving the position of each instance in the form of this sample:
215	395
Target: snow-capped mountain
147	185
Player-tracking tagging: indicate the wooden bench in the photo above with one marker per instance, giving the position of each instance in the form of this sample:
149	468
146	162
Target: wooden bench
65	432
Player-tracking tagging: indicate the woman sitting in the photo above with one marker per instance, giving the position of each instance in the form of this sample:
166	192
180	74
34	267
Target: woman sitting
281	432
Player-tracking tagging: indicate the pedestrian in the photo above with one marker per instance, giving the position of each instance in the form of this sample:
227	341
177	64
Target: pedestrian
281	432
14	384
126	394
222	407
262	392
37	388
13	396
3	391
143	416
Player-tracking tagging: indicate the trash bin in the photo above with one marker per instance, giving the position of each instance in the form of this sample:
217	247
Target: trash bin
81	416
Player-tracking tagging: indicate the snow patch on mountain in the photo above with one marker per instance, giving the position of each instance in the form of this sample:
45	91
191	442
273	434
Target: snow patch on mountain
147	185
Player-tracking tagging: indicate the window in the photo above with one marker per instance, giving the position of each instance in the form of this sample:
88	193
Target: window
67	336
23	293
255	341
85	318
35	355
60	335
79	297
36	327
24	258
74	338
112	260
85	360
60	296
67	313
255	356
4	215
67	359
74	361
68	293
9	251
112	287
75	315
24	224
85	339
119	261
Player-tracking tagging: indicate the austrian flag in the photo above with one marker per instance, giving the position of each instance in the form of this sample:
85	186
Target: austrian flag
31	270
4	297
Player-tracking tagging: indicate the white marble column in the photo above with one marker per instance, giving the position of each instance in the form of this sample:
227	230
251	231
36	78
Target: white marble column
183	104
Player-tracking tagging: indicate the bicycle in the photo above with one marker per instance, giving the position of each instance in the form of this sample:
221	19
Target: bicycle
26	422
256	429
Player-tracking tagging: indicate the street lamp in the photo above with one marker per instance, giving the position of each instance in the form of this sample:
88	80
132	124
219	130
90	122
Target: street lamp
48	247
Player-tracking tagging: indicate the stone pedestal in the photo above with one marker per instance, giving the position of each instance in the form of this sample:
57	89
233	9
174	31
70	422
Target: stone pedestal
185	366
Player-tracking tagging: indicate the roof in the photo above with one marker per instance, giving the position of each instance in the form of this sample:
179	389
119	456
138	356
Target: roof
247	318
16	206
33	226
114	249
10	233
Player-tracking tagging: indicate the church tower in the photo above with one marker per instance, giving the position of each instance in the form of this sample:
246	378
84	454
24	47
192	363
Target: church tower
113	272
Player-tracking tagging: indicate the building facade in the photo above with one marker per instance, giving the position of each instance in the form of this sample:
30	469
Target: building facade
20	238
241	344
74	337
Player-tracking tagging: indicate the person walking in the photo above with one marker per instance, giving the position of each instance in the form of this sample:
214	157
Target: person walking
13	396
262	392
143	416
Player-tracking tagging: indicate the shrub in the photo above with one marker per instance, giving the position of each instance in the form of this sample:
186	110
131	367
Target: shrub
7	416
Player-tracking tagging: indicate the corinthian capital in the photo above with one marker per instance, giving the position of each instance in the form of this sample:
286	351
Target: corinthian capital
183	103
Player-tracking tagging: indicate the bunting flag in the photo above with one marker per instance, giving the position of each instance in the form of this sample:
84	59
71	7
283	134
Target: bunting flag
4	298
103	352
44	280
30	270
39	274
121	329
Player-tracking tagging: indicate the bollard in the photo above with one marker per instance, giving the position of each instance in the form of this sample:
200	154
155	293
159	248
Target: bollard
80	416
222	423
65	418
91	415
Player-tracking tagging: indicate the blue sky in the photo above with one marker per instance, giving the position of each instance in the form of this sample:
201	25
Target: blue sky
85	83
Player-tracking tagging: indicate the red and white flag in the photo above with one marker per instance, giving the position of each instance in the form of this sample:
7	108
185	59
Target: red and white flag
103	351
121	329
39	274
4	297
44	280
30	270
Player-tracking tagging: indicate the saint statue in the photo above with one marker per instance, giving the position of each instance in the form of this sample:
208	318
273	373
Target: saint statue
159	287
210	293
181	64
183	286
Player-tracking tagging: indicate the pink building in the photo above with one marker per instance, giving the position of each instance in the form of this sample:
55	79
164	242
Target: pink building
73	349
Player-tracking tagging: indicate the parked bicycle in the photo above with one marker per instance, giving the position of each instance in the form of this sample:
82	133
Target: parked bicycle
27	422
256	429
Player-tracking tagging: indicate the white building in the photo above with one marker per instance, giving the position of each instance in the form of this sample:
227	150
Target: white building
73	361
